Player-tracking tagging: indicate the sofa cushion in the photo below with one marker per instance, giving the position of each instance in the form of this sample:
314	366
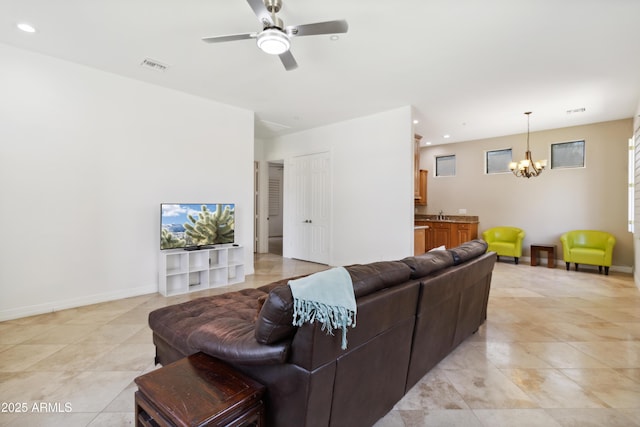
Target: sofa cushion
369	278
428	263
468	250
275	320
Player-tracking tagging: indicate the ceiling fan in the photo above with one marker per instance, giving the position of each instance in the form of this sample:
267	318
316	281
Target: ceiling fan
275	38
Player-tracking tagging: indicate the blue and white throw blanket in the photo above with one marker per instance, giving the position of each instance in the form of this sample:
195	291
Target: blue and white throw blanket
326	297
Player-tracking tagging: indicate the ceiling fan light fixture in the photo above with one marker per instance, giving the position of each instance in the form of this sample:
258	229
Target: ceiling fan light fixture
273	41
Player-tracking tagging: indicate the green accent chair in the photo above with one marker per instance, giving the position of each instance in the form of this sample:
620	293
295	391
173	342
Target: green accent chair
588	247
505	241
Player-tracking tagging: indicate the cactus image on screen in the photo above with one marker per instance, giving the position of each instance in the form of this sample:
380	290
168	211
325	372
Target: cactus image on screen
169	241
194	225
211	227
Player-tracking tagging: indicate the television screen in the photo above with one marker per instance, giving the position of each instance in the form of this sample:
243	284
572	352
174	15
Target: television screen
198	224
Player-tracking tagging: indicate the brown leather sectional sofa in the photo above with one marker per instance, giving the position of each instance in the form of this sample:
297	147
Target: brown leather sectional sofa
411	314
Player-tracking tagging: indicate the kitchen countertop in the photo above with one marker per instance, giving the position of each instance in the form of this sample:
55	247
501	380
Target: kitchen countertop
449	218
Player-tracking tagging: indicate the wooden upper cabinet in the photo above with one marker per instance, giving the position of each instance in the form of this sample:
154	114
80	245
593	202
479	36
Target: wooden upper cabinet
416	165
419	175
421	200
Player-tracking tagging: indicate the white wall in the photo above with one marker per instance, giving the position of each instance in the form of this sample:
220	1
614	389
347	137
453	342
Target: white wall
593	197
371	183
86	158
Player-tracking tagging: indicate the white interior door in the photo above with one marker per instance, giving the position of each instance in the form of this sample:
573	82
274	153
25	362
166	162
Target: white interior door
311	207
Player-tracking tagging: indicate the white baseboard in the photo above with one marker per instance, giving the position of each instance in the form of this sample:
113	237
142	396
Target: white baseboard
543	262
32	310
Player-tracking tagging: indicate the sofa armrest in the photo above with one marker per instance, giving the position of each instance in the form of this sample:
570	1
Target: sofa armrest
234	341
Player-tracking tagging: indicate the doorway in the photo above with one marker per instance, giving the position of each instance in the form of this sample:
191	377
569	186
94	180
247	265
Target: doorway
275	207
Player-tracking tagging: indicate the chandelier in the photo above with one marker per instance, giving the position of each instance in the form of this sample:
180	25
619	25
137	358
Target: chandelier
528	167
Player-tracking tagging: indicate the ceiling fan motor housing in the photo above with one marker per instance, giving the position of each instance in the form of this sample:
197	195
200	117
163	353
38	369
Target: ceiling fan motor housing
277	23
273	6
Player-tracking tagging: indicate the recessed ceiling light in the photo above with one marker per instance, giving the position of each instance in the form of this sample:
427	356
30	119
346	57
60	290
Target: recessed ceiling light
334	37
27	28
446	136
427	143
416	121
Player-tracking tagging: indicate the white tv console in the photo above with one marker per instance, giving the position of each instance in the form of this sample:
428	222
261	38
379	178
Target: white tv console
189	271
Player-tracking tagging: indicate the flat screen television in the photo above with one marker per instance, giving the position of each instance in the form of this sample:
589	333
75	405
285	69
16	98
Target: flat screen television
196	225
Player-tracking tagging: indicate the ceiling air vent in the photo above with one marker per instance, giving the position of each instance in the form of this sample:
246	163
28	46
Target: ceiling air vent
154	65
576	110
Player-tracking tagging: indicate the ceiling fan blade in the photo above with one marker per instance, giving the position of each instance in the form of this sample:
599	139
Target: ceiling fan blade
328	27
229	38
261	11
288	61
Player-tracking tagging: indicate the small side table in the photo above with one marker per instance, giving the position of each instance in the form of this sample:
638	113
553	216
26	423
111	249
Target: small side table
198	390
551	254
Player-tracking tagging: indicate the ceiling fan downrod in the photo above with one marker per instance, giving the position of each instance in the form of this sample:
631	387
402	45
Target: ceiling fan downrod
273	6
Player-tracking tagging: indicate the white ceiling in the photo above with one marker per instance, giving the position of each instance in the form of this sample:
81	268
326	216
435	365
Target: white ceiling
470	68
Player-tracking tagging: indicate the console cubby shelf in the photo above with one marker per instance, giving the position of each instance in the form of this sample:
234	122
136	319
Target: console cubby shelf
189	271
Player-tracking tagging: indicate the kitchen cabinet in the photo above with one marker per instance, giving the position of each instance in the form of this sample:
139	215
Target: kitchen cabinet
448	233
421	198
440	235
416	165
462	232
419	240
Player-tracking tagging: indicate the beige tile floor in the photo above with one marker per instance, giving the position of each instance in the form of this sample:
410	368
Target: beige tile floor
558	349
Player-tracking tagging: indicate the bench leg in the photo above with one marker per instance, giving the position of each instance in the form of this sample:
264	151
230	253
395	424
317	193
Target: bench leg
516	260
568	265
606	271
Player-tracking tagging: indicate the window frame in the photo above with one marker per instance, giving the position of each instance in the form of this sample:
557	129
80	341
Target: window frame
436	169
486	161
571	166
